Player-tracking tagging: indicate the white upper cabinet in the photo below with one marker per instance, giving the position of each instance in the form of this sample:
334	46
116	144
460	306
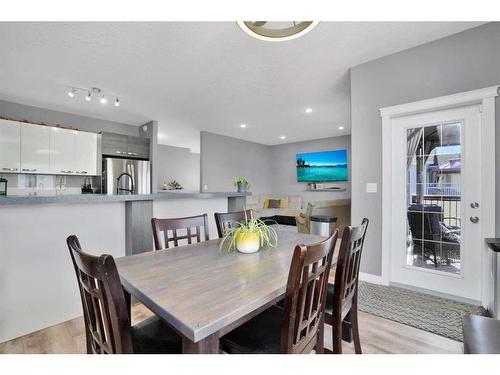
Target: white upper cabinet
85	154
35	148
62	151
39	149
10	146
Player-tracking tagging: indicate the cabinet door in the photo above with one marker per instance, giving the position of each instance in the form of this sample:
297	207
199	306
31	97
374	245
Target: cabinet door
62	151
138	147
10	146
35	146
85	153
114	144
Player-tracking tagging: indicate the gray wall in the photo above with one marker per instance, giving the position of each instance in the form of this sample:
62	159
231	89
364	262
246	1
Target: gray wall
178	163
270	169
284	174
21	112
465	61
223	158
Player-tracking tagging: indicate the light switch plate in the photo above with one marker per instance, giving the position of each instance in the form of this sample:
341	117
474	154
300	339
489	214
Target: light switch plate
371	187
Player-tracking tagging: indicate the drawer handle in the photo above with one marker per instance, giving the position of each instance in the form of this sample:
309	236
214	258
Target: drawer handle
66	171
83	172
9	169
29	170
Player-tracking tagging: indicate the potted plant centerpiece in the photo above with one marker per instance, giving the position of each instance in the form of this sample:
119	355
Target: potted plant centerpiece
249	236
242	184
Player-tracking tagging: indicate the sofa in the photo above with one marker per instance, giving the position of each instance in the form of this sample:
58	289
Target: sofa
339	208
272	206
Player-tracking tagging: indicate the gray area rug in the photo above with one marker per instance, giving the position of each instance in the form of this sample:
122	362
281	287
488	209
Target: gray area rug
432	314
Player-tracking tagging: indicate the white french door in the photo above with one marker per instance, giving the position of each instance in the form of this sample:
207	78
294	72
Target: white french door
436	201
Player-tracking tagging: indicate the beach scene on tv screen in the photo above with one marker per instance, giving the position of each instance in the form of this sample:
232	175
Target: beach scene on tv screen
322	166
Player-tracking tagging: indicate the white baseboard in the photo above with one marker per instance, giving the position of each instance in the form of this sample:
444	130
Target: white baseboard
374	279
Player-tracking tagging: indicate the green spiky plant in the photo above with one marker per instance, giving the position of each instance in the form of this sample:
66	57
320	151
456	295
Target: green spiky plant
267	234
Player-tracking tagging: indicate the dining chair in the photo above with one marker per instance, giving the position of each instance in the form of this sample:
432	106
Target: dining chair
298	327
176	224
106	311
228	220
342	296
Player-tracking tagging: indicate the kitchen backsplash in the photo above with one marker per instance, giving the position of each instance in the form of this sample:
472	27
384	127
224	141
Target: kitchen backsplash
46	185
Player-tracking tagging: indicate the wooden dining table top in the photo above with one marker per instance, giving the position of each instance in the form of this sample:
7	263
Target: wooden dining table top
201	290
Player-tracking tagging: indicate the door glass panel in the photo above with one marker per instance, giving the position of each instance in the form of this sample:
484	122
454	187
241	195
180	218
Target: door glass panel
433	197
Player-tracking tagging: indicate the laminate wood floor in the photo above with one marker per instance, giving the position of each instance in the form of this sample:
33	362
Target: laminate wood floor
378	336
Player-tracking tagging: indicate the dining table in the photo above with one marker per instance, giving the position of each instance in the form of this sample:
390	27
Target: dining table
203	291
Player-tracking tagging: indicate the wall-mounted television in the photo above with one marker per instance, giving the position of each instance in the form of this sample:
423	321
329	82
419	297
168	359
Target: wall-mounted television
322	166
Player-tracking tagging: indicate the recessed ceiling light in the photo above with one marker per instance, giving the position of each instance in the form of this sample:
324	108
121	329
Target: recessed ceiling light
341	128
282	137
308	110
243	126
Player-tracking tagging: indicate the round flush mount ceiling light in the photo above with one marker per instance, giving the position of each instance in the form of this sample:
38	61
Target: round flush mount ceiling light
243	126
341	128
308	110
277	31
282	137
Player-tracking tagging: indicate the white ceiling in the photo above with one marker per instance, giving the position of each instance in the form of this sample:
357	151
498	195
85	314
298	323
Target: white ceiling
193	76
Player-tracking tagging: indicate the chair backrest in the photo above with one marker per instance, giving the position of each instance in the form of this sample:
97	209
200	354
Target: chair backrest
347	269
424	221
107	323
229	220
176	224
306	295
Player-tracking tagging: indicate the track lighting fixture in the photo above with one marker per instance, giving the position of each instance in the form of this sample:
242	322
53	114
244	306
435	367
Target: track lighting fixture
93	92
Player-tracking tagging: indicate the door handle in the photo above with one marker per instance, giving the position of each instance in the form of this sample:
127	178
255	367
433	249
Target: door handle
474	205
474	219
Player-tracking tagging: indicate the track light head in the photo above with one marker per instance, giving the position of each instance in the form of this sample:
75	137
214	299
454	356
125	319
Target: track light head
71	93
117	102
103	100
88	97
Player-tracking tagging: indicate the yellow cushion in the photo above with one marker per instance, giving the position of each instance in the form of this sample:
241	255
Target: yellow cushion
282	203
266	203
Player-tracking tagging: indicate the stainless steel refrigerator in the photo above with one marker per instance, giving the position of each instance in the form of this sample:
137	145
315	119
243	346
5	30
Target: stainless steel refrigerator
125	176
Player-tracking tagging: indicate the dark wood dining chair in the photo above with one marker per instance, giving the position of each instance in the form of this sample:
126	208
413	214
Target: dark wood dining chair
107	312
299	326
182	223
228	220
342	297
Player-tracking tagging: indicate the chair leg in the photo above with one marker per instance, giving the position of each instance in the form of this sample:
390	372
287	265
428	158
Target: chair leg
355	327
337	336
320	344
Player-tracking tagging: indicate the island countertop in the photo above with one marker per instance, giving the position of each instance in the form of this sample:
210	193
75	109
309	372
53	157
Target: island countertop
102	198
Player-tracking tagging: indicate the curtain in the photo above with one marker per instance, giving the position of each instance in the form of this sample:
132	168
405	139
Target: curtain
414	137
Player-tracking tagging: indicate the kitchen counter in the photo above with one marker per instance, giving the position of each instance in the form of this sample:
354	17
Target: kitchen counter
98	198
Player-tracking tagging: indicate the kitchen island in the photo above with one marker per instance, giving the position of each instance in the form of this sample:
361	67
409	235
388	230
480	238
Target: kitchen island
38	288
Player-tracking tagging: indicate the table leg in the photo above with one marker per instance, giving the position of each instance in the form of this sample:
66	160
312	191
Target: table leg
346	329
128	301
208	345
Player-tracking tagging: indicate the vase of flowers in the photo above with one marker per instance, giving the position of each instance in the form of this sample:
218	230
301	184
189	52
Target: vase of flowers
242	184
